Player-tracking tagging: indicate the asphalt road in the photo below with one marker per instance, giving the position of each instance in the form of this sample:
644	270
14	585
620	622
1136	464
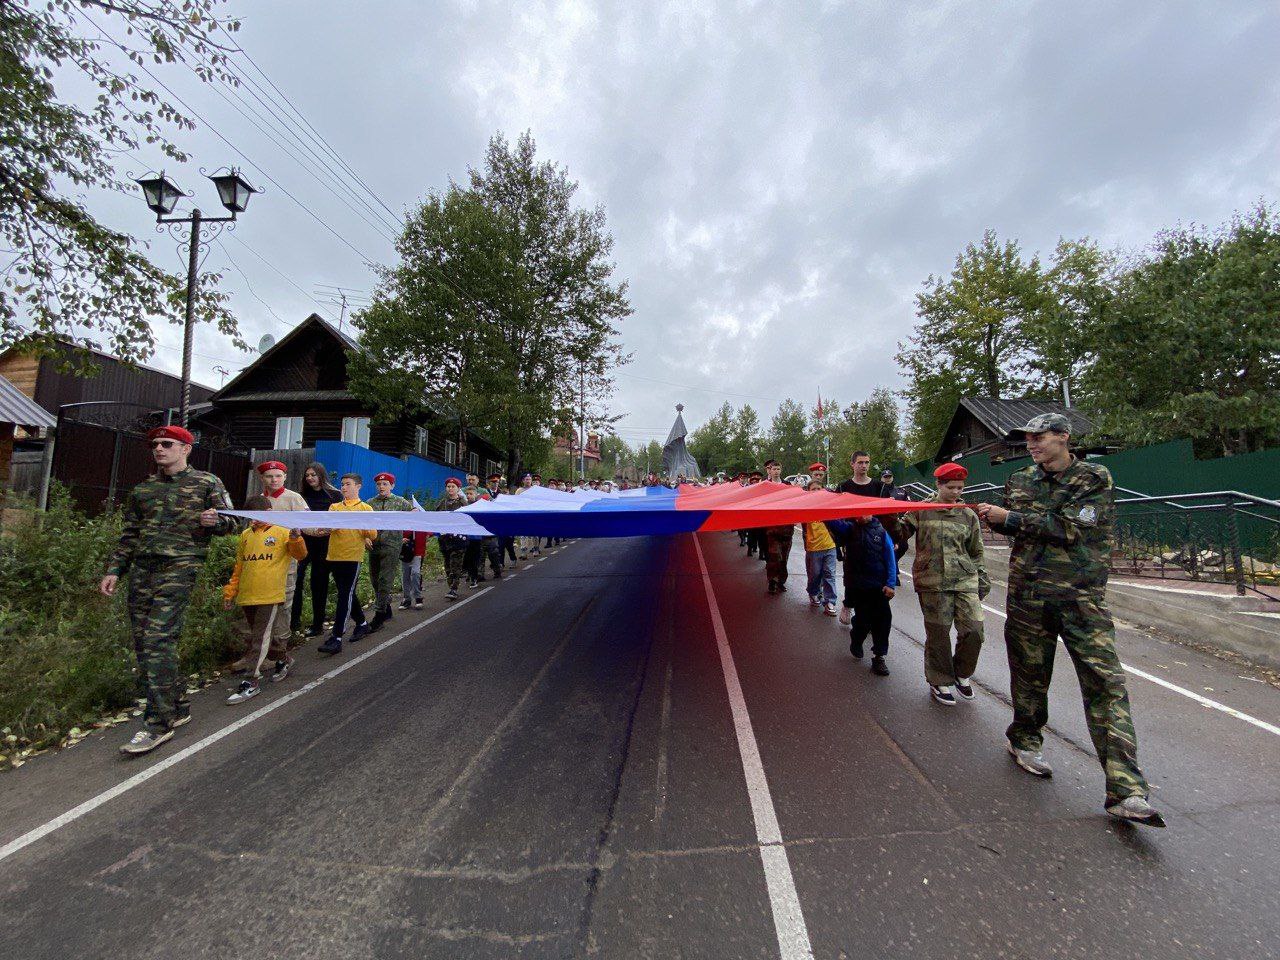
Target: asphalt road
555	768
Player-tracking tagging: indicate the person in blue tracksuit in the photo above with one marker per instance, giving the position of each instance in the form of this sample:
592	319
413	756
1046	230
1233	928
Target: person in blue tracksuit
870	580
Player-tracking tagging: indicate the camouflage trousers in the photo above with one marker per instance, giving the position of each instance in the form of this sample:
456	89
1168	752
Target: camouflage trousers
159	590
1031	632
777	549
453	554
384	560
940	609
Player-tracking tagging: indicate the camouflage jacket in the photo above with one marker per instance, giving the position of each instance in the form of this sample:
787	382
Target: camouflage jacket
389	538
162	518
1061	529
948	550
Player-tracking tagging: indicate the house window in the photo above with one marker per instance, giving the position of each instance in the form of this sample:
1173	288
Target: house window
420	441
474	461
288	433
356	430
450	452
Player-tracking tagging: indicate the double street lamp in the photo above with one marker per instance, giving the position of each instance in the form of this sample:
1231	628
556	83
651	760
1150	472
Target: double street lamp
162	195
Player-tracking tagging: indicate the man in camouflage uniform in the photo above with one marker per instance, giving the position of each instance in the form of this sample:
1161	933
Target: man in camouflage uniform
453	548
384	555
777	540
169	521
951	582
1059	514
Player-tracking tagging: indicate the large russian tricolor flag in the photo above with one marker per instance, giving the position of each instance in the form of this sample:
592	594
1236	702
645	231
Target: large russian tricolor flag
650	511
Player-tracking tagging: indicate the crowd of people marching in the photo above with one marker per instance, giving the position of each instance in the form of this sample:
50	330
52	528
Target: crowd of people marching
1057	516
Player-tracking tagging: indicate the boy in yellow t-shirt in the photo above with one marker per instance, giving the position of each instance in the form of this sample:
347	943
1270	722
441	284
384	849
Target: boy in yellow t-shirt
820	562
346	550
257	584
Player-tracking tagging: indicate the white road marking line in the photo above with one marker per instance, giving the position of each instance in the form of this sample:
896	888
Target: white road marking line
76	812
1160	681
788	918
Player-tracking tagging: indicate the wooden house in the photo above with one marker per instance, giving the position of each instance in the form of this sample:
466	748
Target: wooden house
296	394
980	424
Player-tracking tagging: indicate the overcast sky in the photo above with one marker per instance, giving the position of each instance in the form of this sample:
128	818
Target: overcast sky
779	178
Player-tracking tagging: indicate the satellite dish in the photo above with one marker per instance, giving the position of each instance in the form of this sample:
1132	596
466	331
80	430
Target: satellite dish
266	343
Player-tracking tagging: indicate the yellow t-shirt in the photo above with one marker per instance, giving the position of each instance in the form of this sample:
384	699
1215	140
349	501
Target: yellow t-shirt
817	537
349	544
262	566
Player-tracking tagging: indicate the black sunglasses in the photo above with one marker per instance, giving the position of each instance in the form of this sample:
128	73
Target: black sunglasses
163	443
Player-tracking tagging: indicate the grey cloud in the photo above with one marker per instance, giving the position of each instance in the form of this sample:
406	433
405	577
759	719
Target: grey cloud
780	178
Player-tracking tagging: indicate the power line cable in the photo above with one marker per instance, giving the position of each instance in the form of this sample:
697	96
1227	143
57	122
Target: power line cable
298	113
280	124
160	83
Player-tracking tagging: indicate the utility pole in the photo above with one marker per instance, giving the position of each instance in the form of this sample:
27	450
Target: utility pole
582	434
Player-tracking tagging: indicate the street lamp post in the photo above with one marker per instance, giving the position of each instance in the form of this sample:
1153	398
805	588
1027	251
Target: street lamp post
162	195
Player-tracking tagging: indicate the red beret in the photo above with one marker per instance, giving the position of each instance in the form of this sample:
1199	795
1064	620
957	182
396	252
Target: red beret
951	471
817	466
272	465
390	477
181	434
454	480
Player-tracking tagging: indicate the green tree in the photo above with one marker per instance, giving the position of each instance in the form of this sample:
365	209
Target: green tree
788	440
1062	335
871	425
68	276
744	441
711	443
1189	345
971	336
502	307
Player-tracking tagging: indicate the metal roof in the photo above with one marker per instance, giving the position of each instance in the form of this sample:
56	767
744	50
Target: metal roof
19	409
1001	416
288	396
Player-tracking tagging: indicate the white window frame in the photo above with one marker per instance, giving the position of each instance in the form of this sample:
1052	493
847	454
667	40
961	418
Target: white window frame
291	436
421	441
450	452
355	430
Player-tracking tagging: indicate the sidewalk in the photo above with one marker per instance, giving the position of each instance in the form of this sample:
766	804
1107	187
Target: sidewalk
1206	613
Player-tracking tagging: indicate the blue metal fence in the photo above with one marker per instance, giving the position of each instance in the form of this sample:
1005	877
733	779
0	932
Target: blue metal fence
414	475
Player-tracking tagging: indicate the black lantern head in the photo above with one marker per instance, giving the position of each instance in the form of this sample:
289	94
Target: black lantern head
160	193
233	190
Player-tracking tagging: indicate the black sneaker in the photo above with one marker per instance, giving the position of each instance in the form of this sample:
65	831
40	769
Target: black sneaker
879	667
773	586
782	586
942	694
379	619
855	648
361	631
182	716
331	646
417	604
964	688
452	594
282	669
406	604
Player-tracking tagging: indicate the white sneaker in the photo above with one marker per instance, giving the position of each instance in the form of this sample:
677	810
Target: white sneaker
814	601
829	609
248	690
